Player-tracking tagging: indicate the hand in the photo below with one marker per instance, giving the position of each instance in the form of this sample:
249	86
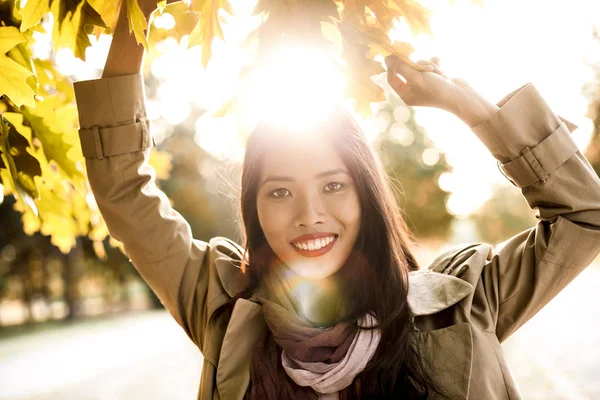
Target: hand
432	88
429	88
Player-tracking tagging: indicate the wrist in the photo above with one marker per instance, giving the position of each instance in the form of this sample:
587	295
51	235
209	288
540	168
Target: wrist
471	107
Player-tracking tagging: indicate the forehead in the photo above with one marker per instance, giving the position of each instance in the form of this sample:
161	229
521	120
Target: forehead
301	155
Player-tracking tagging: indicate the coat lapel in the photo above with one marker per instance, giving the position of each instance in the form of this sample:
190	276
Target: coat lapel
430	292
245	328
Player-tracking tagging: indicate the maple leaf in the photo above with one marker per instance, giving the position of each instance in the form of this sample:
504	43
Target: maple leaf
417	16
137	22
23	167
70	29
13	76
108	11
161	5
208	26
361	45
33	12
53	124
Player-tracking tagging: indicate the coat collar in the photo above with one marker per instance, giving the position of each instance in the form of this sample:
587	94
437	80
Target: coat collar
429	292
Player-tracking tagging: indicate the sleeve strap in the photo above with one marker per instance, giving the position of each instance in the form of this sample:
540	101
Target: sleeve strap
100	142
537	163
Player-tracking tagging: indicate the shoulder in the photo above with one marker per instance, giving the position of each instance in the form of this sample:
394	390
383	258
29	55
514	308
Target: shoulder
448	279
226	256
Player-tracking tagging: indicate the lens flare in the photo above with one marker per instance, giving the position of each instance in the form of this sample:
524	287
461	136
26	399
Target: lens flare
295	89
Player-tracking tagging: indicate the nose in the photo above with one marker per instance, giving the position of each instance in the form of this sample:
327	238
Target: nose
310	211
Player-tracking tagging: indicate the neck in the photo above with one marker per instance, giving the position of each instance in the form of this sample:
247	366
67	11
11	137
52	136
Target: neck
319	301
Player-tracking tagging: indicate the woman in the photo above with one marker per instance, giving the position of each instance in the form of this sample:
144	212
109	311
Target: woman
325	299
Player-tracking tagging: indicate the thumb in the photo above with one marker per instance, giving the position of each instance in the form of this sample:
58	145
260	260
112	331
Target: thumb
399	66
394	80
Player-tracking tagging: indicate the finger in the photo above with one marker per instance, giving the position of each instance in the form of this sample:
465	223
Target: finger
427	65
407	71
435	60
434	68
394	80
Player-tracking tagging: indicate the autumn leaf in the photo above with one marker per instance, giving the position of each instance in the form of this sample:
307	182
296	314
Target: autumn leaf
52	124
417	17
23	167
13	76
137	22
161	5
108	11
32	12
208	26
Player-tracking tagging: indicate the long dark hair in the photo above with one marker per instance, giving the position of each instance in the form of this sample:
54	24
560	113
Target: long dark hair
375	274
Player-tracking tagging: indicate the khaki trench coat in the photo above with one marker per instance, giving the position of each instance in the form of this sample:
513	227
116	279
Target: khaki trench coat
465	303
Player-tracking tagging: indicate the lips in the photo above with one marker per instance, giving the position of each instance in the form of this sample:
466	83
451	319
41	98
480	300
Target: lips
306	245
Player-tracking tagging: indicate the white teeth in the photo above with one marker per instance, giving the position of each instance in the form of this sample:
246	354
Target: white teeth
315	244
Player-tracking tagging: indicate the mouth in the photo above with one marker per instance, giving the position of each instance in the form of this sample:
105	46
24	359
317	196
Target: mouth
316	247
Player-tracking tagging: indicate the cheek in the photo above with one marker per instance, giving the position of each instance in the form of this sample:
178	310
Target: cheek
273	221
348	213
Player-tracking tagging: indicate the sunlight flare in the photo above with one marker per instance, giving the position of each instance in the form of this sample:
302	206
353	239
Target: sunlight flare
295	89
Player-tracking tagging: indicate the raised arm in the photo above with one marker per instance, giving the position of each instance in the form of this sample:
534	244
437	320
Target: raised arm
116	141
535	151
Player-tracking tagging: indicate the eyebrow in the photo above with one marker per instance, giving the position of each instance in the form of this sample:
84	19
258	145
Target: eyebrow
290	179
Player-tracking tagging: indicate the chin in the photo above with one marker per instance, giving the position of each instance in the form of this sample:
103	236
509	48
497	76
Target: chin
313	271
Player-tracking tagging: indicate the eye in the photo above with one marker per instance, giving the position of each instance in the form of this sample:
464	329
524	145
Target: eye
277	193
334	186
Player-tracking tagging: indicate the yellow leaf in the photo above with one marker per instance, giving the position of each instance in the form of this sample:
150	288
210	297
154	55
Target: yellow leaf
108	11
208	26
137	22
13	82
10	37
22	165
69	31
332	34
417	16
53	124
13	77
161	5
32	12
31	223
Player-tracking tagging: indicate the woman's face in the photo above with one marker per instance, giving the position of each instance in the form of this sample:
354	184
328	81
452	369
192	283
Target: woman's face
308	206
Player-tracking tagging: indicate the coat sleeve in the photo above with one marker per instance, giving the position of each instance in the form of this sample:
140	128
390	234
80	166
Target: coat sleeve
116	142
535	151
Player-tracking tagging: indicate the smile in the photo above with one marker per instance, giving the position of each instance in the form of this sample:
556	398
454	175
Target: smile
316	247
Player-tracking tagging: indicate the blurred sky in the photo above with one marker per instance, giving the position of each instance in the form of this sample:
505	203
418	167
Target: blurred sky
496	47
